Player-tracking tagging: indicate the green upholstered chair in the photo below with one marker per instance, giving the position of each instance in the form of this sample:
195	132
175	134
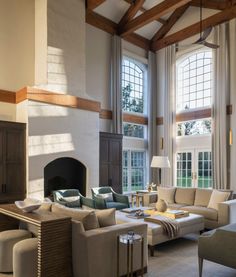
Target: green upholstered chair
72	198
106	198
219	246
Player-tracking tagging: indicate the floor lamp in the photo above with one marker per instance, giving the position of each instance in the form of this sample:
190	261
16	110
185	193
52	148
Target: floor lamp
160	162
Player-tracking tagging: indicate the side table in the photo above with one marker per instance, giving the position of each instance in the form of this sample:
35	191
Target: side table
129	240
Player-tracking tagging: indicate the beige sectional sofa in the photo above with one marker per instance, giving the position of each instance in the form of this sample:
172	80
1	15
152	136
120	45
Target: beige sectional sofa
214	205
94	241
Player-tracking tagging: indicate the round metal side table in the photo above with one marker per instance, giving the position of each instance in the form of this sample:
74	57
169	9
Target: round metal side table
129	240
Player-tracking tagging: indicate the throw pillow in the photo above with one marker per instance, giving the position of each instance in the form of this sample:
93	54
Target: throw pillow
108	197
71	201
167	194
106	217
216	198
88	218
202	197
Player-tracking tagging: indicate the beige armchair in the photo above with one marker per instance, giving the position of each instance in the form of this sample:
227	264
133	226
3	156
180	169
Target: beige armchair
218	246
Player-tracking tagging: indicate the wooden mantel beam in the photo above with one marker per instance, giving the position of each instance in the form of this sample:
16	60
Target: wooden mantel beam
194	29
93	4
152	14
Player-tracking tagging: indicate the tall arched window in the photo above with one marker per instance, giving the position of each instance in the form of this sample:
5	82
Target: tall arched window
132	87
193	144
134	146
194	78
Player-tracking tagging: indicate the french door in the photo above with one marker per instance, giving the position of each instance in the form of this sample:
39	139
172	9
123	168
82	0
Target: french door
194	168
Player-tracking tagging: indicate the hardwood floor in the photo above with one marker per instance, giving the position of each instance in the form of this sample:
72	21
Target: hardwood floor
179	258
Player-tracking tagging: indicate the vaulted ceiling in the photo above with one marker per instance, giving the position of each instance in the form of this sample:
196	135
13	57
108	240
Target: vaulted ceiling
155	24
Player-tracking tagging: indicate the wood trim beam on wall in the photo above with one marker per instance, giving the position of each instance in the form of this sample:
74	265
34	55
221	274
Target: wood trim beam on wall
105	114
193	115
93	4
65	100
152	14
137	119
194	29
12	97
111	27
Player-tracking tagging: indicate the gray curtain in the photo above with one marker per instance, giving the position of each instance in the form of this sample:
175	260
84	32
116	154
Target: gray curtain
169	114
116	93
152	113
220	100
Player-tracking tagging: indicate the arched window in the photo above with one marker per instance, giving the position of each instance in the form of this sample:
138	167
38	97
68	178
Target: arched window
193	82
132	87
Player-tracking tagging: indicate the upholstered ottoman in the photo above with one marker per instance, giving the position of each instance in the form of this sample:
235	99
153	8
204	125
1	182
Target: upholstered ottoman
7	241
25	255
156	235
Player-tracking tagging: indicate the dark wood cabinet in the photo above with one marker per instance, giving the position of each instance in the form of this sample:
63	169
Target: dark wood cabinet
12	161
111	160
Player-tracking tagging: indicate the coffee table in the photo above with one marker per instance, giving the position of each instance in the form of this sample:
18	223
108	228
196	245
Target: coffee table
191	224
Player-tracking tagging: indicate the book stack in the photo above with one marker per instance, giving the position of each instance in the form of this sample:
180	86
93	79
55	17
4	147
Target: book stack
174	214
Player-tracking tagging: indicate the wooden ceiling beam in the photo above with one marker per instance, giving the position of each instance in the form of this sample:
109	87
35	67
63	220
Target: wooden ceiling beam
170	22
194	29
110	27
210	4
142	9
131	12
152	14
93	4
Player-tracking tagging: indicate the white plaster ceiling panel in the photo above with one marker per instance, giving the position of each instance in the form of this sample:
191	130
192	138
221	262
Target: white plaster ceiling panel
148	4
113	9
149	30
191	16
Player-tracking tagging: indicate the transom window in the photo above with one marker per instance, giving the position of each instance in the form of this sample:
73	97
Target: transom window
194	81
194	127
133	130
132	87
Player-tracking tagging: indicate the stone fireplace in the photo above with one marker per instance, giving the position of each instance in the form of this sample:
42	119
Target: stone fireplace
64	173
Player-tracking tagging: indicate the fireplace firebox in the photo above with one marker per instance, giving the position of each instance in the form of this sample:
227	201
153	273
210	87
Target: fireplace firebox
64	173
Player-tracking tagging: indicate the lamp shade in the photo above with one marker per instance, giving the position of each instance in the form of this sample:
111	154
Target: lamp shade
160	162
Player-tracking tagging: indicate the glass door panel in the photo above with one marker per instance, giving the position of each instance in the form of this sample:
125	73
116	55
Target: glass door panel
204	169
184	169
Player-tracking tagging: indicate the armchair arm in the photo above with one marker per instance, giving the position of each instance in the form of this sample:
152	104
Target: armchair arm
227	212
87	247
121	198
89	202
100	202
149	198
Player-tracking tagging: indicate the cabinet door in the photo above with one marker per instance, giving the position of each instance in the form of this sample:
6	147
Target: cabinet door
15	162
111	161
1	162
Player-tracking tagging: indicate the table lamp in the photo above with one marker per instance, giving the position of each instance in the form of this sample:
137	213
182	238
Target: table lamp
160	162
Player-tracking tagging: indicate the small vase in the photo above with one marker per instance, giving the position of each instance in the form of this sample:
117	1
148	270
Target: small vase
161	205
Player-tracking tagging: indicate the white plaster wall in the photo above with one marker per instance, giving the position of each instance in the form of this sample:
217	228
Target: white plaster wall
59	131
16	44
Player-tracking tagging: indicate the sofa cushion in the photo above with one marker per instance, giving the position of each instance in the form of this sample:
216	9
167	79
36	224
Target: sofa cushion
106	217
87	217
217	197
71	201
175	206
206	212
108	197
117	205
167	194
202	197
185	196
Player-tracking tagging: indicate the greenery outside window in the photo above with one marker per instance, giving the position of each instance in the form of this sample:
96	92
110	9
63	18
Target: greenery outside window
194	127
